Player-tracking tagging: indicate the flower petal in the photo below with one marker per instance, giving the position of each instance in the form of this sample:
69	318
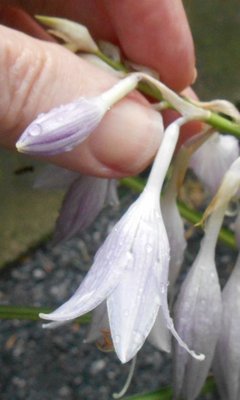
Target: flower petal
109	263
133	305
197	319
53	177
226	364
82	203
112	194
99	323
176	235
160	336
62	128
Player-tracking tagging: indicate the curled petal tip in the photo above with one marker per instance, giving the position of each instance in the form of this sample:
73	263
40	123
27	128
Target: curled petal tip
44	316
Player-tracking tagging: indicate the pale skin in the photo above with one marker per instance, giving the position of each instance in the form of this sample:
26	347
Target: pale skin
37	75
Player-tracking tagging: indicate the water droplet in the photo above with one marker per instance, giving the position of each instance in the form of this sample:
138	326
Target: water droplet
212	275
138	337
149	248
68	148
117	339
35	130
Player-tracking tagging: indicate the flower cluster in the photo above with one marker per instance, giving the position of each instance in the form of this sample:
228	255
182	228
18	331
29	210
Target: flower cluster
127	284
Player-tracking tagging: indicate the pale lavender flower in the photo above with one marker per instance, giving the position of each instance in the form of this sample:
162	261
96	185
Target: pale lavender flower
171	216
213	158
226	364
53	177
175	231
86	196
197	319
130	270
83	201
199	307
64	127
99	331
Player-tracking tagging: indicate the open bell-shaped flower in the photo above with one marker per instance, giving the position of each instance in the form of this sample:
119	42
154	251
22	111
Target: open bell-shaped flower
99	331
64	127
130	270
226	364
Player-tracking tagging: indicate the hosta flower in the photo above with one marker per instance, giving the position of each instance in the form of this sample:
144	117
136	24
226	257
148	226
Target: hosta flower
213	158
171	216
199	308
226	364
99	331
175	231
53	177
197	322
130	270
84	200
64	127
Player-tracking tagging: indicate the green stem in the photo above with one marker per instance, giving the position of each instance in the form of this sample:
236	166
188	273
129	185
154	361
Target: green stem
192	216
223	124
30	313
215	120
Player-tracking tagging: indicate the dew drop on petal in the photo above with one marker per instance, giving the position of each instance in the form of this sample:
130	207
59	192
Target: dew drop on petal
68	148
149	248
117	339
138	337
35	130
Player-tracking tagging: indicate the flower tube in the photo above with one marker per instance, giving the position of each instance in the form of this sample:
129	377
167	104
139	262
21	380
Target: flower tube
198	308
226	363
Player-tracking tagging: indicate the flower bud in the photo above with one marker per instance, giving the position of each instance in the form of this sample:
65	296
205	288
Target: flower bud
226	364
198	315
71	32
64	127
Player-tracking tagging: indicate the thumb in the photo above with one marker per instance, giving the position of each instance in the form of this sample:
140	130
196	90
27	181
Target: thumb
37	76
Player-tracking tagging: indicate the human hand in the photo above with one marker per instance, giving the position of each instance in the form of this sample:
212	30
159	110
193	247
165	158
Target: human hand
37	76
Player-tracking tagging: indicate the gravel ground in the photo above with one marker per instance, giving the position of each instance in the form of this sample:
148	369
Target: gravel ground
36	364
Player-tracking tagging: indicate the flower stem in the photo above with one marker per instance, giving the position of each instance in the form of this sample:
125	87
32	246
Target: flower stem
222	124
